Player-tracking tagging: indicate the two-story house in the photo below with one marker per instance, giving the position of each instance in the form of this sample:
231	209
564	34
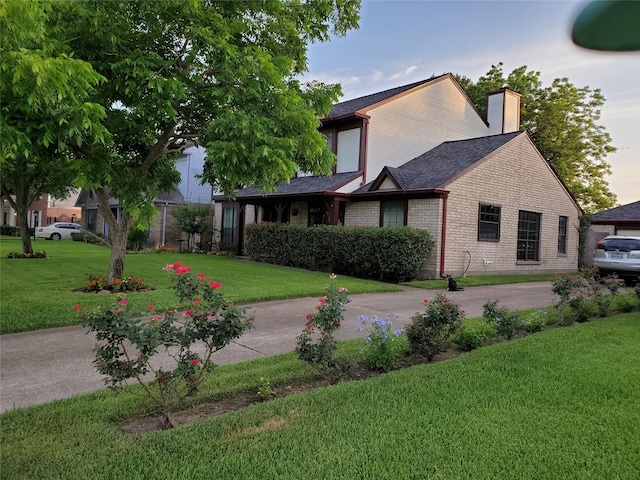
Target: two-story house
421	155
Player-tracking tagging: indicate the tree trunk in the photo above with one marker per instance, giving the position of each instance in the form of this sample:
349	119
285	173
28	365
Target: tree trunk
20	205
118	233
118	252
167	421
27	247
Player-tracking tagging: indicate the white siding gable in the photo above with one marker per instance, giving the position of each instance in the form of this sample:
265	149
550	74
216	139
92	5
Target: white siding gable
411	124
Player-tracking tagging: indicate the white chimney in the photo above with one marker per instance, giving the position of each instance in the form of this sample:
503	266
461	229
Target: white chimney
503	111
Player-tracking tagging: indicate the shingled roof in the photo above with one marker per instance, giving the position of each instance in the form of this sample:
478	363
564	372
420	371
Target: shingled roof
433	169
623	213
302	186
352	106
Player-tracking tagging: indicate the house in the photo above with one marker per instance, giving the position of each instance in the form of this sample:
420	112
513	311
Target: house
622	220
162	229
43	211
422	155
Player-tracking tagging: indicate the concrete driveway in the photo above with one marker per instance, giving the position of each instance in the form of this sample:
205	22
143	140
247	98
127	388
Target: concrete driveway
46	365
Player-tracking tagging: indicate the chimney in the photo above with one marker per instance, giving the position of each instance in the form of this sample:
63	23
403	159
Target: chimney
503	111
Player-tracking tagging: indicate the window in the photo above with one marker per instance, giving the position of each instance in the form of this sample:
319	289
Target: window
393	213
529	236
348	151
92	219
229	231
489	223
562	235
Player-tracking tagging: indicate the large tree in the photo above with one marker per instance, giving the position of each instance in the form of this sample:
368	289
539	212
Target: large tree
222	74
562	119
44	112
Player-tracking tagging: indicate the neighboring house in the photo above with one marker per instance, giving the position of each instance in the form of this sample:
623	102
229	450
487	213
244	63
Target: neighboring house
162	229
43	211
622	220
421	155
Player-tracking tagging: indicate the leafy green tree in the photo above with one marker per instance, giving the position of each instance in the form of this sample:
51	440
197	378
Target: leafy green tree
223	74
45	114
562	119
193	220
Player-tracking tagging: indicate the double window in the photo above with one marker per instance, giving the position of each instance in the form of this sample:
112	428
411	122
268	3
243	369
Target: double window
489	223
393	213
529	236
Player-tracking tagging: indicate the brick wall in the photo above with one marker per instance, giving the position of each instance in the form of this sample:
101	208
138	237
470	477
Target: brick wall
514	178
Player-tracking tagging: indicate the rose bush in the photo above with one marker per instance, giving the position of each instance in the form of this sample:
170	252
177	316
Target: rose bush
132	348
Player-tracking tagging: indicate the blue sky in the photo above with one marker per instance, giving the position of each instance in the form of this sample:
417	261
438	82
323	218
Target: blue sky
400	42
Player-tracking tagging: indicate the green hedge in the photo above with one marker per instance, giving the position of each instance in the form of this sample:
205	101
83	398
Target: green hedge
389	254
14	231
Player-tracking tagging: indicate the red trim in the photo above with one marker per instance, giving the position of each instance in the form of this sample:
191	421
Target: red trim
443	236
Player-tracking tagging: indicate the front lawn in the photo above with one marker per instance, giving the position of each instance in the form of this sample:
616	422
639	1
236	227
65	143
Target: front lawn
562	403
39	293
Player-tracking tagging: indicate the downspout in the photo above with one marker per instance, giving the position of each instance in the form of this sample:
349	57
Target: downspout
443	232
164	224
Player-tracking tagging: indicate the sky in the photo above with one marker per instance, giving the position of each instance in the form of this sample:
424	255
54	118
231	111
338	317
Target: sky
400	42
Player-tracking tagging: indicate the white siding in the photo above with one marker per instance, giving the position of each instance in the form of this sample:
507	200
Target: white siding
189	165
351	186
417	122
503	112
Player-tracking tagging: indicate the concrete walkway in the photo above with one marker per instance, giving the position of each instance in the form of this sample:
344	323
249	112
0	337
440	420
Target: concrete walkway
46	365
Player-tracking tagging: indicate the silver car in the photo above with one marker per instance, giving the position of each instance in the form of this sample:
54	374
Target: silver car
620	255
57	230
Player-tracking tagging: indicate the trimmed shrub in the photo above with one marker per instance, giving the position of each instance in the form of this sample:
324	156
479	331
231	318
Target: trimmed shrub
389	254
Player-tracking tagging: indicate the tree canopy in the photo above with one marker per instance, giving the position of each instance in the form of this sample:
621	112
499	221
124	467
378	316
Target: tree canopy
221	74
45	112
562	120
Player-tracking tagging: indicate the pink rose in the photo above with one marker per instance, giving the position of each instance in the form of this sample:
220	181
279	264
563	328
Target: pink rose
76	308
150	308
194	361
122	302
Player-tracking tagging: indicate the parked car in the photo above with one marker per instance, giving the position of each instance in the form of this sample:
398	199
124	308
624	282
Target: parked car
620	255
57	230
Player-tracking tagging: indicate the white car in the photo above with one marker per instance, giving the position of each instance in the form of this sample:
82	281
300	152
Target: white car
57	230
619	255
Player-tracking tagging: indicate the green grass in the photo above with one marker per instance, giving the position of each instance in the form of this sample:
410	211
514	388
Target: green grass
480	280
39	293
558	404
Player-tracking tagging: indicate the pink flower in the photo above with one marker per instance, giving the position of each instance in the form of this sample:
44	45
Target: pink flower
214	285
122	302
176	264
76	308
309	316
426	300
157	318
309	326
322	300
119	310
188	313
446	300
342	289
194	361
182	270
201	276
196	301
150	308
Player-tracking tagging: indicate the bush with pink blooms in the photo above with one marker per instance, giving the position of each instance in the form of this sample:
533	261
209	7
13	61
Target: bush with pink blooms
316	344
137	349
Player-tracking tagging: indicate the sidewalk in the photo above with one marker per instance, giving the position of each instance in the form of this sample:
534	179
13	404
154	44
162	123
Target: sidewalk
46	365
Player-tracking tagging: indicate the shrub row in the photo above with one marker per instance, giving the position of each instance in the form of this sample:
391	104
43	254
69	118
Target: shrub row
13	231
88	237
389	254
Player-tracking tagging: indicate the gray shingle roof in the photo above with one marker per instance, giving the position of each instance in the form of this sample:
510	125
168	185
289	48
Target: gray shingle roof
435	168
630	211
352	106
302	185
